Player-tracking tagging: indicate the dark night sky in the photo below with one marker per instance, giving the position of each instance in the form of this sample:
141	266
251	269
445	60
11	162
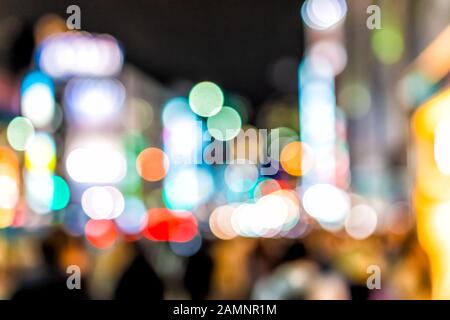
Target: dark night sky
232	42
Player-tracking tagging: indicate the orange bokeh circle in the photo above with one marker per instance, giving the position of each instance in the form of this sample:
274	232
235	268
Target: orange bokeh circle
101	233
292	158
152	164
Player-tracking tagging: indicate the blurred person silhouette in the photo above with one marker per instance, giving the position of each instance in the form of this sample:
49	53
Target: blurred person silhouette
139	280
268	254
296	275
199	269
50	281
294	251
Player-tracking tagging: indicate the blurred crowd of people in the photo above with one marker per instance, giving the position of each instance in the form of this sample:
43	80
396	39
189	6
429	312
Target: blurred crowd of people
321	266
